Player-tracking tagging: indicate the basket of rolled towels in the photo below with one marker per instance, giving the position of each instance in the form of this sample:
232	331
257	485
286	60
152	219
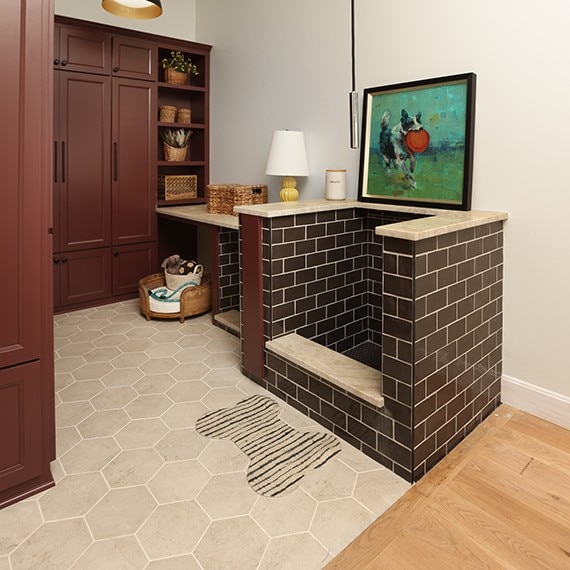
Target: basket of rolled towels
183	290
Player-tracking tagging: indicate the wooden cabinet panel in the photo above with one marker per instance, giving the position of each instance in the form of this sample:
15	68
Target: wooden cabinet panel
84	275
83	169
130	264
83	50
134	156
134	59
20	424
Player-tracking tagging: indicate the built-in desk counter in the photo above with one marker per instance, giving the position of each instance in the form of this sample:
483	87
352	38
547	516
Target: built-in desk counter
419	289
199	213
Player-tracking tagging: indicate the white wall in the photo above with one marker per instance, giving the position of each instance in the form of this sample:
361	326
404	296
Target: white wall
178	19
282	65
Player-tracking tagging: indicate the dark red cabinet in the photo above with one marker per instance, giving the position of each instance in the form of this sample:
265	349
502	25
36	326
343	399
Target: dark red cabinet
27	441
134	58
130	264
82	49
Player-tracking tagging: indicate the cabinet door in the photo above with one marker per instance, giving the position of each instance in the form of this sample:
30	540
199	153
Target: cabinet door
22	145
84	50
134	159
85	275
20	424
130	264
134	59
83	190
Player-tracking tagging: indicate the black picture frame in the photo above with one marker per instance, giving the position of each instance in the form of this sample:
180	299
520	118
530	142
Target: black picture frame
417	143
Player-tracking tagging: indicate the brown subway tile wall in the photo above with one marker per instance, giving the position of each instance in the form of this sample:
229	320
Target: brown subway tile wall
228	258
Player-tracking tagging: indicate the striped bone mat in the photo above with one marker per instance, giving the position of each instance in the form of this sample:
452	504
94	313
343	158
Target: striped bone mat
280	455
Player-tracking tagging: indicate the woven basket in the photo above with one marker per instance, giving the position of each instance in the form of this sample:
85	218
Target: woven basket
223	197
175	77
184	116
172	154
167	114
177	187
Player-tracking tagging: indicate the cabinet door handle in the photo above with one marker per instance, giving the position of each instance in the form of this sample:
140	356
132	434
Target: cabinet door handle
116	253
63	161
64	62
115	162
64	259
56	260
115	69
56	61
55	161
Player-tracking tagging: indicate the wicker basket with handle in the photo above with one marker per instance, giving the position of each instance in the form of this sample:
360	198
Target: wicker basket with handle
175	77
222	198
172	154
177	186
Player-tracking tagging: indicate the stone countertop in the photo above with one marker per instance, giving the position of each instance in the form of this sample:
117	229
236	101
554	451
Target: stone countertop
199	213
436	221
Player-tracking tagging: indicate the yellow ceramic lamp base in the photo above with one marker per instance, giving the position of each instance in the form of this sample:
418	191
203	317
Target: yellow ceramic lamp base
289	192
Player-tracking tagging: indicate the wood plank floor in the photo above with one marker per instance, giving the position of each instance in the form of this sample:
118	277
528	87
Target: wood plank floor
501	499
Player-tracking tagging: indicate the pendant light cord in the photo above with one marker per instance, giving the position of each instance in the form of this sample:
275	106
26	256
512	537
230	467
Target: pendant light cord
352	45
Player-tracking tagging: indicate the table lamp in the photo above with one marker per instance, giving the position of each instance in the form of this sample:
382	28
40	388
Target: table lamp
288	158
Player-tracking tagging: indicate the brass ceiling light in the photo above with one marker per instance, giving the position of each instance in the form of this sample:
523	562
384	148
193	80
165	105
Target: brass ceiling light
134	9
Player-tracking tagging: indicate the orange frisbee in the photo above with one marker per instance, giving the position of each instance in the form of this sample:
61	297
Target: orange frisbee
417	141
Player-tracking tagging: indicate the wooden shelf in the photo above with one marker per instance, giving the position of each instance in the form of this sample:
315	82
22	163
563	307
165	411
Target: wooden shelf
182	125
197	88
181	163
186	201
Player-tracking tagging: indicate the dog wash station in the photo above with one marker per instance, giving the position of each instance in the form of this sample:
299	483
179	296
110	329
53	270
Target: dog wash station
381	322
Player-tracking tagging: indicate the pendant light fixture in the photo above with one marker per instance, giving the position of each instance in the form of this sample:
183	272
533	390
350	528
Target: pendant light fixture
133	9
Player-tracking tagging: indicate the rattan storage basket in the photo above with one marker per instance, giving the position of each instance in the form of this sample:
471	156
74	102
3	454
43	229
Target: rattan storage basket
167	114
175	77
172	154
184	116
177	187
222	198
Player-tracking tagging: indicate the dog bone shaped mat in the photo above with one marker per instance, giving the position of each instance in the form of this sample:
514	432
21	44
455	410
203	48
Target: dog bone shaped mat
280	455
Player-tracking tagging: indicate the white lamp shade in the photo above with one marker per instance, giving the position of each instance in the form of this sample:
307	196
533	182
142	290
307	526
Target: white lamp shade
287	156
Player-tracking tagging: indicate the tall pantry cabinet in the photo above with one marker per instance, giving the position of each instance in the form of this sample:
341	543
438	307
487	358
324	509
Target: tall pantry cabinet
27	429
104	163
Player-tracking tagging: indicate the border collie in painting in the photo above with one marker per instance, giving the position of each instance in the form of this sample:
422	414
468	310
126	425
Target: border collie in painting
393	148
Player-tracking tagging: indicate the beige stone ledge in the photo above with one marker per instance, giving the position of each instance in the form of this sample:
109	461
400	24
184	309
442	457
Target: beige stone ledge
199	213
346	373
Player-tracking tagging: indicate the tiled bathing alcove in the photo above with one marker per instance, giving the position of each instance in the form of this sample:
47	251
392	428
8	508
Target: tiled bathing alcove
430	309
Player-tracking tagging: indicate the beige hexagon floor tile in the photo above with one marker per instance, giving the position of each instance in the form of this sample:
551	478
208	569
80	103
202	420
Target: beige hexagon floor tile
102	313
299	551
142	332
75	349
5	563
65	439
195	328
73	496
68	364
224	344
132	467
80	391
92	371
222	360
215	332
330	481
120	512
173	530
357	460
92	325
223	456
239	497
129	360
218	398
86	336
250	388
162	350
89	455
103	423
136	345
188	391
223	377
289	514
53	545
187	562
110	340
378	490
178	481
185	356
71	413
102	354
66	332
57	472
63	380
232	543
154	384
117	328
184	414
122	377
159	365
195	371
113	554
113	398
128	317
71	320
338	522
148	406
60	343
181	444
141	433
167	337
18	522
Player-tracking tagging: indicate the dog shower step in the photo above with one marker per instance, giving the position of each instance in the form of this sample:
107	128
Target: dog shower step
230	321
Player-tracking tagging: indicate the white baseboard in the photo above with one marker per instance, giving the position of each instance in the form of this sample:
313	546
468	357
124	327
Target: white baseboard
537	401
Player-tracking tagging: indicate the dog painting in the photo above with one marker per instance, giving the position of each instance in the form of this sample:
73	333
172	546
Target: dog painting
417	143
392	145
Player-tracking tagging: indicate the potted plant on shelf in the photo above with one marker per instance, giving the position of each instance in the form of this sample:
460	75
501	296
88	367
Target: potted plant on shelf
175	143
177	68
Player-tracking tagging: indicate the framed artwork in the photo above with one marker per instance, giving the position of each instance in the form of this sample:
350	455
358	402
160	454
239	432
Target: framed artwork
417	143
